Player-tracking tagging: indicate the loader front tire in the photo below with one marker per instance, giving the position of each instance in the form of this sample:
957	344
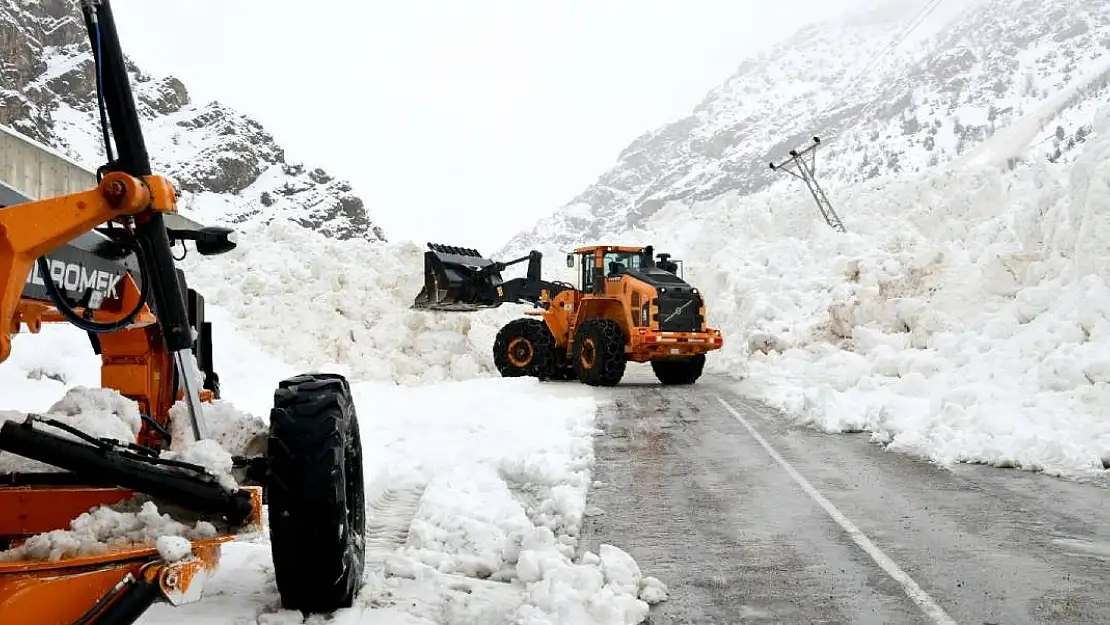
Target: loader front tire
599	352
525	348
315	492
685	371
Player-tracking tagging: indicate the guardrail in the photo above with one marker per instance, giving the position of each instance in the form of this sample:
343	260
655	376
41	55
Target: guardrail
30	170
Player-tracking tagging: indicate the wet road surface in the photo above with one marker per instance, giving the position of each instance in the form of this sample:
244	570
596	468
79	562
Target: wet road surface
703	505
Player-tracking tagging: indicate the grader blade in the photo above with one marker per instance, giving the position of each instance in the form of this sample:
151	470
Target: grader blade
458	279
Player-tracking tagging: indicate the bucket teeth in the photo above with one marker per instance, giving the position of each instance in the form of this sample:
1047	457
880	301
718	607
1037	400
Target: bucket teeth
454	249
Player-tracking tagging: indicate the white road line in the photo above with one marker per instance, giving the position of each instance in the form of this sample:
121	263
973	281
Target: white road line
913	591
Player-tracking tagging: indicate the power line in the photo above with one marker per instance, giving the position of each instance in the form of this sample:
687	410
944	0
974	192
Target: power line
898	39
927	12
807	172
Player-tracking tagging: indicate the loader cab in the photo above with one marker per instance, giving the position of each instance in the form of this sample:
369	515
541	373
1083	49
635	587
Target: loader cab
599	264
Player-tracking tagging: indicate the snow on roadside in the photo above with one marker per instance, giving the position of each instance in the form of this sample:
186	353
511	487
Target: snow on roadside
964	317
316	302
502	468
43	366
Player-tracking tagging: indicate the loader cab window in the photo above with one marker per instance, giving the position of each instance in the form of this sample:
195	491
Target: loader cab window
587	263
617	263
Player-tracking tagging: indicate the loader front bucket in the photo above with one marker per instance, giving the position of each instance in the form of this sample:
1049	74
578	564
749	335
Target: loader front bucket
457	279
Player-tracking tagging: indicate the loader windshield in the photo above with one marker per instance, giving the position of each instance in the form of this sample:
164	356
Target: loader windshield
612	264
616	263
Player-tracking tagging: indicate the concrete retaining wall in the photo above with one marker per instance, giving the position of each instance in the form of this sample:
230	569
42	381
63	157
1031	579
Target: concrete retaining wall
36	171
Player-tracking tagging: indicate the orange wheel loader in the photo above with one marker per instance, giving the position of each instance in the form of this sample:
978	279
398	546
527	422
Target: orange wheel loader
101	259
629	307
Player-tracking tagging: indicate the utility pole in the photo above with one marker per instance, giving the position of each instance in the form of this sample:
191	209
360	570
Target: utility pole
807	173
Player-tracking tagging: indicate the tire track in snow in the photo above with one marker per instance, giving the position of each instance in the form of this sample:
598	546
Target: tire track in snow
388	520
389	517
449	599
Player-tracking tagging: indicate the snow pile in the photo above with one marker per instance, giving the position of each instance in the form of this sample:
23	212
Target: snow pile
100	530
964	317
484	509
105	413
323	303
43	366
230	431
206	453
98	412
601	589
173	548
228	427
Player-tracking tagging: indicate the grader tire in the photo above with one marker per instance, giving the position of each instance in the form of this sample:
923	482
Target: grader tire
686	371
525	348
599	353
315	492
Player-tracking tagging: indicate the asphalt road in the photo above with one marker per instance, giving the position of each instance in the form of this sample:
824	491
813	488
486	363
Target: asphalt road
749	519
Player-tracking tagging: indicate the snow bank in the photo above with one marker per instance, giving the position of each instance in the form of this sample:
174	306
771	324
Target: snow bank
316	302
497	473
964	317
43	366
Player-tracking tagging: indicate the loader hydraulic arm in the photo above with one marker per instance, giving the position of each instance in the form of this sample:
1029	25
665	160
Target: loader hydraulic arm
531	287
497	267
459	279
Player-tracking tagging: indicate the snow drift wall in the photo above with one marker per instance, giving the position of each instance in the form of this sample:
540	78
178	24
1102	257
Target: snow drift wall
317	302
964	316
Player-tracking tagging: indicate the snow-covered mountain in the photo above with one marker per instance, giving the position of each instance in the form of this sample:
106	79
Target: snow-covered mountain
968	71
218	157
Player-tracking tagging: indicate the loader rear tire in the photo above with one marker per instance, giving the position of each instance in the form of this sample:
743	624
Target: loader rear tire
525	348
315	492
599	352
686	371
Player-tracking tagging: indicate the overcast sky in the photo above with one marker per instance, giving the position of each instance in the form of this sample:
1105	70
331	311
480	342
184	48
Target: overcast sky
457	121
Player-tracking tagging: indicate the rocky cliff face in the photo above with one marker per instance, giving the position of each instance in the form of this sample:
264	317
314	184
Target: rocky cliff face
990	66
217	156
